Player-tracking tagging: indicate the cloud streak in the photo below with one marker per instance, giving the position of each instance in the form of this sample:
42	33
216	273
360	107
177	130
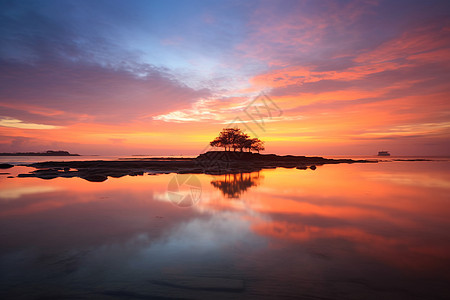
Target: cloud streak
15	123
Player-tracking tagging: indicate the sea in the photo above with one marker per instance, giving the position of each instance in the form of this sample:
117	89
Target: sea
345	231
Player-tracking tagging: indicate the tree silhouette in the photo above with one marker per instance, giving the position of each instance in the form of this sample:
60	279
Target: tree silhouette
241	141
218	142
235	138
227	139
247	144
257	145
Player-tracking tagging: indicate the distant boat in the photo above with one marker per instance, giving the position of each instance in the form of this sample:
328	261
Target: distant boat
384	153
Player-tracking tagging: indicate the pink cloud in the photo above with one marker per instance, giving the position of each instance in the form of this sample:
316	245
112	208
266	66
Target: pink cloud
69	92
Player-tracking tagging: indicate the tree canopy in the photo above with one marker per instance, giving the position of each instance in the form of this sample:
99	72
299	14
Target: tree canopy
235	138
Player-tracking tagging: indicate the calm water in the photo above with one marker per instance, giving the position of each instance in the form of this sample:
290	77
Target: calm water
361	231
23	160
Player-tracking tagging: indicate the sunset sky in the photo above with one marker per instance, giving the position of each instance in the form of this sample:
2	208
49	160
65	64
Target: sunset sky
164	77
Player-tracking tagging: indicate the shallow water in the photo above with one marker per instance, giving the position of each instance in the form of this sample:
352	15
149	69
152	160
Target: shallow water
359	231
25	160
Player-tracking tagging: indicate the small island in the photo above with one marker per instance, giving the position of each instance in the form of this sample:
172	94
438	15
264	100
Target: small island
47	153
232	160
211	162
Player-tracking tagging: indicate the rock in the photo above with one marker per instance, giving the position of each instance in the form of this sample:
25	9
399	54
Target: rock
137	173
27	175
313	167
6	166
95	178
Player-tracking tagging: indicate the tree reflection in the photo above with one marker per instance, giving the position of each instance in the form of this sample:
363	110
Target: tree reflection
233	185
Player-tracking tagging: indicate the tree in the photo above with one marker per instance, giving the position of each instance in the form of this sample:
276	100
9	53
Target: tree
248	144
229	138
257	145
232	136
241	141
235	138
217	142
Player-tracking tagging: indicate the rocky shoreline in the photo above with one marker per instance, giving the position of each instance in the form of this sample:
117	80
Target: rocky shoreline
212	162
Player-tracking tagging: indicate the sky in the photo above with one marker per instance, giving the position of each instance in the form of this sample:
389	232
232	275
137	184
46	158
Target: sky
164	77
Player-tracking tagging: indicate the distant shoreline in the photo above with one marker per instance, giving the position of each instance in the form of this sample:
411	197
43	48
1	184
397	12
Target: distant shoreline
47	153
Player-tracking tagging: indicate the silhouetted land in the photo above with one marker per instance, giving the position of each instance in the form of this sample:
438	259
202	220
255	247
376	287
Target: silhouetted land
6	166
212	162
47	153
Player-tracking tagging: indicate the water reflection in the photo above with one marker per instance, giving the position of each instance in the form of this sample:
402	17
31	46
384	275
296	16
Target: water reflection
233	185
342	231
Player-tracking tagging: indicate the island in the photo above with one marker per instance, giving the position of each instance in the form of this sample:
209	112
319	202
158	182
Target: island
211	162
47	153
232	160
